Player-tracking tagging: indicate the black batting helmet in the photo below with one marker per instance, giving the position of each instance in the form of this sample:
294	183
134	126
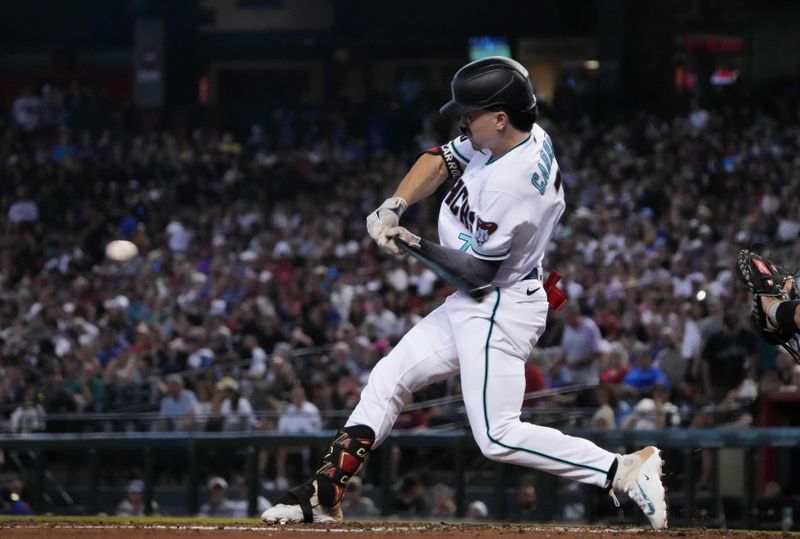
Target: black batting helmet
488	82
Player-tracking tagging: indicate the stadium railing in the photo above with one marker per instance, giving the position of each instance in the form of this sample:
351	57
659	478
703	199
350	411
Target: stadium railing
681	444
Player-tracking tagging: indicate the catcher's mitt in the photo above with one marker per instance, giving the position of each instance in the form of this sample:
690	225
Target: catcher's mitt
762	277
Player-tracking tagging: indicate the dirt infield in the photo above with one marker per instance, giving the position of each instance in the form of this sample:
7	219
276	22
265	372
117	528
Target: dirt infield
34	529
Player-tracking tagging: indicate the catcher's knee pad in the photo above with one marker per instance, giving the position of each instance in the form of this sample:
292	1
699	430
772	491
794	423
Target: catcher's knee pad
344	458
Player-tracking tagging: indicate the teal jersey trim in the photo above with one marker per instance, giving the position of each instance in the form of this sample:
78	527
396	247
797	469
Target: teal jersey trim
455	150
498	257
494	158
486	412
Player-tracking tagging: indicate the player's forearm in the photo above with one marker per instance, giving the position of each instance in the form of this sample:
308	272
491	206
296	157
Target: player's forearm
422	180
477	271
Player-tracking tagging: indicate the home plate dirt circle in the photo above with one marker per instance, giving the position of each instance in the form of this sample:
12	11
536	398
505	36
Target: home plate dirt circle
85	530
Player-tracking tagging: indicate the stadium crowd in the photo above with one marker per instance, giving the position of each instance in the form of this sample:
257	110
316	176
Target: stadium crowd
259	302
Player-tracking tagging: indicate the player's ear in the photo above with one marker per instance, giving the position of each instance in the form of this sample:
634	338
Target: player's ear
501	120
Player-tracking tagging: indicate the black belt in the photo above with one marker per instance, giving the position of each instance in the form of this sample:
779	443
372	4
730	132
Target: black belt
534	274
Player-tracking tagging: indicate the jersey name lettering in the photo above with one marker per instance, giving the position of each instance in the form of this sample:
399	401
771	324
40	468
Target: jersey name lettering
546	155
450	162
459	194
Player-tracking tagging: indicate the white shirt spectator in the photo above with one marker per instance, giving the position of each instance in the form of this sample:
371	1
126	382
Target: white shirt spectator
682	286
381	324
242	418
788	229
604	418
178	406
698	119
424	281
26	111
579	344
28	417
179	237
342	298
645	413
304	418
23	211
258	362
203	357
691	339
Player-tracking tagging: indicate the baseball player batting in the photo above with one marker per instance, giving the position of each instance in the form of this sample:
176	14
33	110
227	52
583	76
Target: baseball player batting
494	226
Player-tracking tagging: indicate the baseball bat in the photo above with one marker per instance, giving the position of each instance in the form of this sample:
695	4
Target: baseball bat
469	285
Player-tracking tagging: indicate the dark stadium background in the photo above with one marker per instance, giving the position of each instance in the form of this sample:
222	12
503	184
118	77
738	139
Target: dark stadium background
262	132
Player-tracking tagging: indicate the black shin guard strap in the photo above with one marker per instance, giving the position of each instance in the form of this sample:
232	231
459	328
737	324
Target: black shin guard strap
300	495
611	473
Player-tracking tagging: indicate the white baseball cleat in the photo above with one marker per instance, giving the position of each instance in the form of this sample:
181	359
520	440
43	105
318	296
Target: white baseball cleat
639	476
307	508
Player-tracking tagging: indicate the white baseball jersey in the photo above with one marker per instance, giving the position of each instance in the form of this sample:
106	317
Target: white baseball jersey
504	207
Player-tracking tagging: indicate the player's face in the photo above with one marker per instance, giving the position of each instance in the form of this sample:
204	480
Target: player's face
480	127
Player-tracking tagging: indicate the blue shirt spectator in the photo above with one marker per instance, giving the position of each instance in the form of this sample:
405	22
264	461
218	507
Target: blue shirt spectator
178	406
644	375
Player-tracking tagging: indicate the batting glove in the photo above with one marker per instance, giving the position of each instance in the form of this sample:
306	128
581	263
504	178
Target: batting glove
386	216
388	244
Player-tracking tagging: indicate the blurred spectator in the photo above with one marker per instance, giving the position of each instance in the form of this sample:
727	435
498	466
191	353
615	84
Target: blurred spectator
616	365
380	322
526	501
727	354
342	360
785	377
247	263
581	345
242	505
299	416
411	499
356	504
30	415
218	505
26	110
200	355
179	406
443	505
669	359
692	313
133	504
23	210
281	377
654	413
644	376
207	399
178	236
257	356
603	417
534	381
237	413
12	501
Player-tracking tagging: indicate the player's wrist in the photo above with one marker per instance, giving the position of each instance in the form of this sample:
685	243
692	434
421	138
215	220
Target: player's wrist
396	204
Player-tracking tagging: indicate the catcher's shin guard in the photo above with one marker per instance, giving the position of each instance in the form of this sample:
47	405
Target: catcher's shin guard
344	458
